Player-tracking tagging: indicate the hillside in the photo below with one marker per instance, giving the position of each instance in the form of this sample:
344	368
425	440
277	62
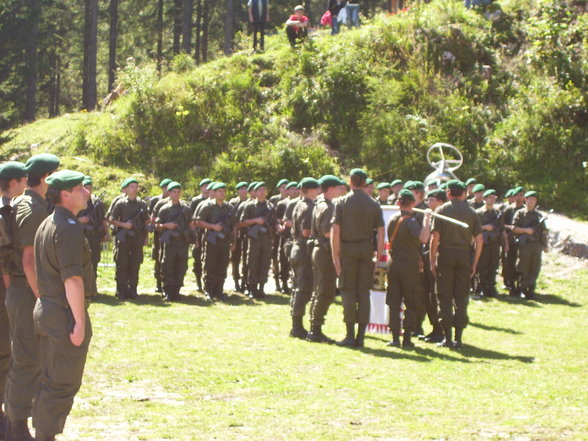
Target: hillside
506	85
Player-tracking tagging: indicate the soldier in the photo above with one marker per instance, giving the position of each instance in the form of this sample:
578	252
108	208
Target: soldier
405	236
94	223
301	255
322	261
242	229
66	284
355	218
281	187
258	217
284	234
155	251
395	187
477	201
490	257
454	263
509	270
28	212
383	193
241	239
197	249
129	215
218	219
369	187
530	230
470	184
173	222
116	199
12	184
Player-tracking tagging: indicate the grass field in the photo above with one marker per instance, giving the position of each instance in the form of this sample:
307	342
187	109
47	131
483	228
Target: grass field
200	371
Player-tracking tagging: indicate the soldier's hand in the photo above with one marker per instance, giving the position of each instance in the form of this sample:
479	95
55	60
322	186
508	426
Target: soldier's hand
434	268
77	335
259	220
171	225
84	219
217	227
473	271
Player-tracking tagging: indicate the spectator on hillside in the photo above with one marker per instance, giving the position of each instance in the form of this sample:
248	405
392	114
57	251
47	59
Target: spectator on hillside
353	13
259	17
297	26
335	6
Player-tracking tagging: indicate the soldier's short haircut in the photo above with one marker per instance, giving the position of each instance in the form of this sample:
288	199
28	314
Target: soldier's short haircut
33	181
54	195
358	180
5	183
456	191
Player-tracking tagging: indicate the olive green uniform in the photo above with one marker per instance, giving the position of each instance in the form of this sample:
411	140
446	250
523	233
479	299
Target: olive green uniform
240	246
28	212
129	254
175	245
288	242
259	246
94	229
322	261
218	244
454	262
301	257
404	272
284	238
198	249
61	252
243	243
475	204
509	263
4	326
358	215
274	200
155	250
490	257
530	248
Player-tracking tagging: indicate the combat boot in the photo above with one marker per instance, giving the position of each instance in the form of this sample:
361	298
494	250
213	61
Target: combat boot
133	294
448	340
237	286
316	335
361	327
436	336
406	340
40	436
458	335
285	287
278	287
199	283
3	425
261	291
18	431
158	286
298	330
220	294
349	340
122	291
395	342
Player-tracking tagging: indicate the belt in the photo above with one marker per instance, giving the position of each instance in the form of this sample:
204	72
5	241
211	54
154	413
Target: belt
61	301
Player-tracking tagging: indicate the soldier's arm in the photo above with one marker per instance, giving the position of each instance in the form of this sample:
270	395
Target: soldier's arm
74	292
336	247
29	266
479	240
433	248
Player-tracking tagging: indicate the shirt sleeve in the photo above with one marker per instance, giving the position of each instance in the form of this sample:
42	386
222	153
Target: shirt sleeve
437	224
477	225
116	211
307	217
337	214
379	220
29	224
325	219
69	249
202	213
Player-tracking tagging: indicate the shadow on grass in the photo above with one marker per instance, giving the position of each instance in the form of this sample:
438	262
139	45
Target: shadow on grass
516	301
552	299
488	354
397	354
495	328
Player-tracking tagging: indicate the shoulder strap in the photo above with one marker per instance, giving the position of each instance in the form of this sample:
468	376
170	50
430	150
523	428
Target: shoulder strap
395	232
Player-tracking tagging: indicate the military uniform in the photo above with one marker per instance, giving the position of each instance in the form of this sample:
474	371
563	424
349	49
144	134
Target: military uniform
283	238
288	241
94	229
530	249
197	250
243	244
4	329
240	248
218	244
454	264
275	200
259	244
509	264
61	252
156	245
129	245
490	257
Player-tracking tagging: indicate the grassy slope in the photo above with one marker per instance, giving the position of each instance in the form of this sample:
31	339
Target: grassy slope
198	371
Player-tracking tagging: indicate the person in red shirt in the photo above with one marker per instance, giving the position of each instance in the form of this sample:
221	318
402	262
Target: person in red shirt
297	26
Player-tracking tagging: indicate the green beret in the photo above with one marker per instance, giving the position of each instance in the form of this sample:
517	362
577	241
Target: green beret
407	185
479	187
309	183
205	181
13	170
218	186
210	185
406	194
456	183
299	185
87	181
173	184
42	164
128	182
471	181
383	185
358	172
291	184
165	182
282	182
369	181
517	190
65	179
489	193
531	194
443	186
252	186
241	185
508	193
259	185
329	181
417	185
342	182
395	182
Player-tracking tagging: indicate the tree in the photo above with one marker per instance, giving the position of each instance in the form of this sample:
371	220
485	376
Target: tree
112	43
198	25
89	93
229	26
177	13
159	35
187	26
32	60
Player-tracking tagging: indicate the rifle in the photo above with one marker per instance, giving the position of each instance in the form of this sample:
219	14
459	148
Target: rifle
212	236
254	230
93	223
495	233
122	234
167	235
537	232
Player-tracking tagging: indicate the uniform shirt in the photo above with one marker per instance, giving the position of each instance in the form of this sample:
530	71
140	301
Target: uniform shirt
152	202
178	214
61	252
257	209
213	213
28	212
112	204
275	199
508	218
302	218
453	236
358	215
406	245
490	217
195	201
95	212
321	219
259	9
525	218
158	205
236	203
126	208
476	205
382	202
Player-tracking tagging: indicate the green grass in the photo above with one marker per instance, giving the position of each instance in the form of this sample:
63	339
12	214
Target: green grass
198	371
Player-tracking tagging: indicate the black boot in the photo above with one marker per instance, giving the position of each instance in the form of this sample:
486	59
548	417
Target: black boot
121	291
18	431
133	294
237	286
448	340
261	291
40	436
406	341
208	291
349	340
458	334
220	294
298	330
361	327
395	342
316	335
158	286
285	287
278	287
199	283
3	425
436	336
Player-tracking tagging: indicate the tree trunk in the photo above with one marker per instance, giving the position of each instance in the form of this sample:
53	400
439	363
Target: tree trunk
197	51
159	35
308	9
229	26
177	26
90	51
187	26
53	84
205	24
112	43
32	60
